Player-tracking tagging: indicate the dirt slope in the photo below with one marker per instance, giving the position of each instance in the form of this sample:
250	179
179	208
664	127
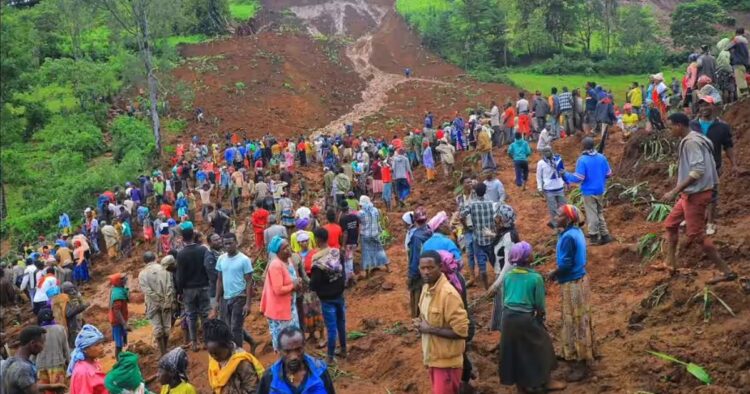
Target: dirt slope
362	83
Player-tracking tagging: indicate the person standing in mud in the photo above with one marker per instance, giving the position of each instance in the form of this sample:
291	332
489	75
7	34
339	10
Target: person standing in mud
191	281
443	324
592	172
697	176
157	286
577	335
480	211
420	234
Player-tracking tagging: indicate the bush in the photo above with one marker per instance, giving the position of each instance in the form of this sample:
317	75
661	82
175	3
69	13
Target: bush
131	134
75	133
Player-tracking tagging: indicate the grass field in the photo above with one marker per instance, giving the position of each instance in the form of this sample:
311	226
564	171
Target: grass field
242	10
618	83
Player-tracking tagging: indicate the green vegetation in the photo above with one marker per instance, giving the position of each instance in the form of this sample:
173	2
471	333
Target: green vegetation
694	369
242	10
527	40
188	39
62	63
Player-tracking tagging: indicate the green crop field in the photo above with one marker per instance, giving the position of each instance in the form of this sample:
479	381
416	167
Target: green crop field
618	83
242	10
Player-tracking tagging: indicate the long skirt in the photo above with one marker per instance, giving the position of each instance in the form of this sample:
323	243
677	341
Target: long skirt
52	376
524	124
312	312
81	272
373	254
577	327
496	322
275	326
526	354
377	186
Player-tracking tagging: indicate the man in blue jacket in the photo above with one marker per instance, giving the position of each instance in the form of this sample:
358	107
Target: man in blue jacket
296	372
592	171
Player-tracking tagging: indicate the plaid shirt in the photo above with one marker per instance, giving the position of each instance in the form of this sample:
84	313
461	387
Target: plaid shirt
482	217
370	226
566	101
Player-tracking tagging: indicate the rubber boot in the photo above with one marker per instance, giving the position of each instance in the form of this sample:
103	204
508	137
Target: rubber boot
483	278
163	343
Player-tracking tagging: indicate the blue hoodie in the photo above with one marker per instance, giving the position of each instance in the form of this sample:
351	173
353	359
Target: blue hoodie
314	382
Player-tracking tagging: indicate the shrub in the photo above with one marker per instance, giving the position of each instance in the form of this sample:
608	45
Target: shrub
131	134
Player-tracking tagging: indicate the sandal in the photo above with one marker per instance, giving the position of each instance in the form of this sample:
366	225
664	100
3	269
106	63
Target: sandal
728	277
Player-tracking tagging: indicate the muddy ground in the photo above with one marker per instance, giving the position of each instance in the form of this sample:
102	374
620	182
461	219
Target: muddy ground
296	84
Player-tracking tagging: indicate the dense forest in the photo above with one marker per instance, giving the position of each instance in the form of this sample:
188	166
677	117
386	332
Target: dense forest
565	36
65	66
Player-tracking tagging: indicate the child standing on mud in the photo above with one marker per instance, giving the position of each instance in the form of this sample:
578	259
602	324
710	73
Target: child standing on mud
118	310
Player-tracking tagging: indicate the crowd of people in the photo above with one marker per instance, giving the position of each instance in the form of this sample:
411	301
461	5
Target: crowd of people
229	215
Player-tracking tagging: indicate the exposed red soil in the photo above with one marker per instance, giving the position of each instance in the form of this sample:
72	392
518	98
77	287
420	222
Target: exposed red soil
628	321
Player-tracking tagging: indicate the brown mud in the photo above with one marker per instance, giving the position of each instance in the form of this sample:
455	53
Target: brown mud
635	308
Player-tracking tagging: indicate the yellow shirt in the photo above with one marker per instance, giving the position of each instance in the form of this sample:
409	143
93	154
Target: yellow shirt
182	388
635	97
441	306
630	120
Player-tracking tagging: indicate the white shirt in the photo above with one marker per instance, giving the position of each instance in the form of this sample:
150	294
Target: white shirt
41	293
545	140
28	277
495	116
547	177
522	106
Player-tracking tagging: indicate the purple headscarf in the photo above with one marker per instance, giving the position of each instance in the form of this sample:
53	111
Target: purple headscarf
520	253
451	268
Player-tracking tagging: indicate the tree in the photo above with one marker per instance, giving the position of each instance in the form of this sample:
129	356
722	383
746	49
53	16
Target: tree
146	20
207	17
693	23
637	25
589	14
609	22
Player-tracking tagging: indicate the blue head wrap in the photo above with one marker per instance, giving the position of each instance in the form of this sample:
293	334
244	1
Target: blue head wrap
275	245
89	336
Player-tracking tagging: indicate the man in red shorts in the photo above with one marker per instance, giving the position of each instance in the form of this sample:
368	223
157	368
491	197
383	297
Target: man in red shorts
696	179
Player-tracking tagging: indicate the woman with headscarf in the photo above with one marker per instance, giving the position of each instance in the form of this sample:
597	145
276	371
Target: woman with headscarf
53	359
373	254
575	294
308	306
173	373
441	236
125	376
278	300
428	160
85	373
301	224
505	236
527	357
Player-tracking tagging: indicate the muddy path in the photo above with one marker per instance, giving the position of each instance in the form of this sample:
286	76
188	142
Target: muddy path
360	53
294	86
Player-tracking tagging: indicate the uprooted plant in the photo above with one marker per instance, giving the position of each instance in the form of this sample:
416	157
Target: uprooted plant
649	246
659	212
707	294
694	369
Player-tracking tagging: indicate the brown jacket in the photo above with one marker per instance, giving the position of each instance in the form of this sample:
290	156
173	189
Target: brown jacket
441	306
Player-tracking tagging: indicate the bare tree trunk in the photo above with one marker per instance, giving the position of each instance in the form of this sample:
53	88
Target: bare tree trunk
139	11
3	207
